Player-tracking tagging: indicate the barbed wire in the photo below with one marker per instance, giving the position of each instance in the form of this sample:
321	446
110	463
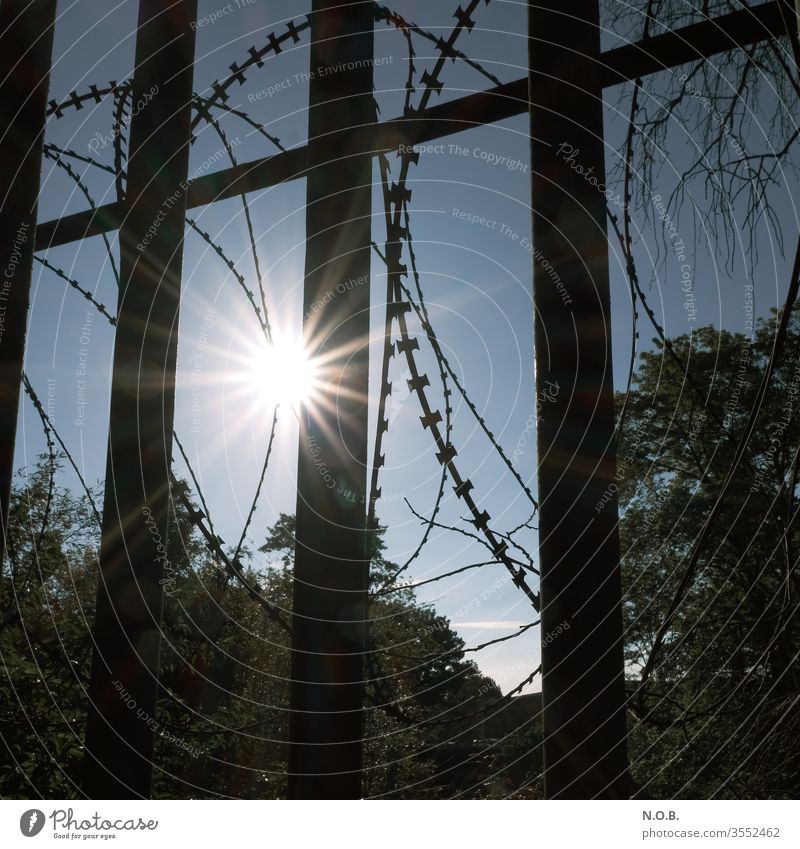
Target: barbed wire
47	423
51	154
215	545
446	451
386	15
394	269
697	548
213	542
81	157
625	238
388	590
740	458
59	272
399	302
431	656
382	424
76	101
493	706
260	483
421	313
120	118
202	105
214	122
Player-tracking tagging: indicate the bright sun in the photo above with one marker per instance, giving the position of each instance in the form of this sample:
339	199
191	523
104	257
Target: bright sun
283	372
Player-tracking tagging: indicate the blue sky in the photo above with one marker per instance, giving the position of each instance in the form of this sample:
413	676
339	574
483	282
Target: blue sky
476	277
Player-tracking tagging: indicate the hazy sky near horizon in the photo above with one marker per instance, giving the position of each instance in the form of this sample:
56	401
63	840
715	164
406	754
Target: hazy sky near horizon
477	280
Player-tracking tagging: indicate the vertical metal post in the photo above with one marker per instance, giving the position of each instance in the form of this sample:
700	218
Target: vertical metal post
124	679
330	576
26	46
583	687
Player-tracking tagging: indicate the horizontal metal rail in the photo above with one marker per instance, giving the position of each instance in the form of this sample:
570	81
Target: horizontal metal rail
697	41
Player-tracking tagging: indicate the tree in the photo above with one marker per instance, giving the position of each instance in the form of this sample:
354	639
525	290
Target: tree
718	715
46	610
221	724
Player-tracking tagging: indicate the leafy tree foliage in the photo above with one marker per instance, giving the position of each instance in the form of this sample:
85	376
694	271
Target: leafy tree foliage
46	608
718	715
222	718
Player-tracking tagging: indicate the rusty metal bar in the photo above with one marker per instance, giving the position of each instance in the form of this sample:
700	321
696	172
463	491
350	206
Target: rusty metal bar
26	46
583	685
330	575
133	556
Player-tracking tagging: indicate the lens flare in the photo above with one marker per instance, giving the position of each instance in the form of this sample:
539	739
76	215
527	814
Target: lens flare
283	373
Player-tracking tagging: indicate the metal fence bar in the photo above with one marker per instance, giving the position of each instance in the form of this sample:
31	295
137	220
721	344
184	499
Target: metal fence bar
693	42
26	45
330	578
583	685
133	555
